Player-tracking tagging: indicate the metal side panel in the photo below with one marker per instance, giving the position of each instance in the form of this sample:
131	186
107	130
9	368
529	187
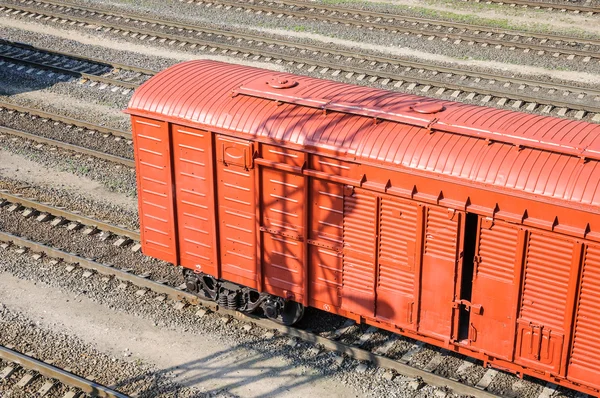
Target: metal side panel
584	365
282	225
397	271
443	227
237	210
155	188
194	196
543	306
358	271
325	243
495	280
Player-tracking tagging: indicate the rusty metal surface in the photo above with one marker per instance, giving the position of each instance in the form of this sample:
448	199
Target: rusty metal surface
50	371
68	147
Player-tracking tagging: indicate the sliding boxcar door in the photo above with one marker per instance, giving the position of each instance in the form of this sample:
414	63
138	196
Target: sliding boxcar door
194	193
441	254
496	278
237	211
282	202
155	188
396	280
325	243
359	260
584	361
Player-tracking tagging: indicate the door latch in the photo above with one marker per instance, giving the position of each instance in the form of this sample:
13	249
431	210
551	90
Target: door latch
476	309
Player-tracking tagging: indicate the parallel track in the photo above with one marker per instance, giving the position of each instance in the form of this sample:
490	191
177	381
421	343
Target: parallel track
417	77
69	147
64	65
21	202
546	5
572	48
378	354
34	367
64	119
128	162
352	351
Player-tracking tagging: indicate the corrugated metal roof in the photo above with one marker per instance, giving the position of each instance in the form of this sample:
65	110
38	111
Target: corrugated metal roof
536	154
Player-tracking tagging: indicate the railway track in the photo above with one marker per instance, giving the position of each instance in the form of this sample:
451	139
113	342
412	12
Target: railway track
375	356
349	340
107	75
24	110
84	127
560	6
29	369
415	77
454	33
45	212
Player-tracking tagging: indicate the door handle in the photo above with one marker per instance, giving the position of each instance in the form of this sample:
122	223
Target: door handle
476	309
473	333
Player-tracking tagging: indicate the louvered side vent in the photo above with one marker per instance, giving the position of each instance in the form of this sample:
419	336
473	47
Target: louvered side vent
440	234
495	283
496	252
442	229
541	331
359	253
585	356
396	279
397	246
547	271
326	243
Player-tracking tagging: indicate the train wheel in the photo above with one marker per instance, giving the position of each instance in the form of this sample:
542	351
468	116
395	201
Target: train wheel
287	314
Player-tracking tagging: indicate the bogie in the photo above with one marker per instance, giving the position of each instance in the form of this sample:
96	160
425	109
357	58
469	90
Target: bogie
244	299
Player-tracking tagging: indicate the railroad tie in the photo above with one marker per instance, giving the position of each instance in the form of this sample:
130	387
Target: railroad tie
366	336
487	379
416	347
349	324
387	347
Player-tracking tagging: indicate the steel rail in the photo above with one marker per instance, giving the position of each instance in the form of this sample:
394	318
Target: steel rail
62	213
69	147
52	372
424	21
58	69
324	64
180	295
541	4
70	6
101	62
65	119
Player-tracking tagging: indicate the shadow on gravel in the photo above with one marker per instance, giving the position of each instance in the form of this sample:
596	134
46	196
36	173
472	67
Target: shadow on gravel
17	77
14	81
257	368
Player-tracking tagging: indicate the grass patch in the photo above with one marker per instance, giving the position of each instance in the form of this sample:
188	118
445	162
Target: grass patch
471	16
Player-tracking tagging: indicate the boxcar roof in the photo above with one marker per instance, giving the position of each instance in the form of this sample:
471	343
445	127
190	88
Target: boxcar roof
541	155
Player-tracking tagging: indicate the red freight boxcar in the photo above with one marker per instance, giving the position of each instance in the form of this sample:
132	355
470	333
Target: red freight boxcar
472	228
